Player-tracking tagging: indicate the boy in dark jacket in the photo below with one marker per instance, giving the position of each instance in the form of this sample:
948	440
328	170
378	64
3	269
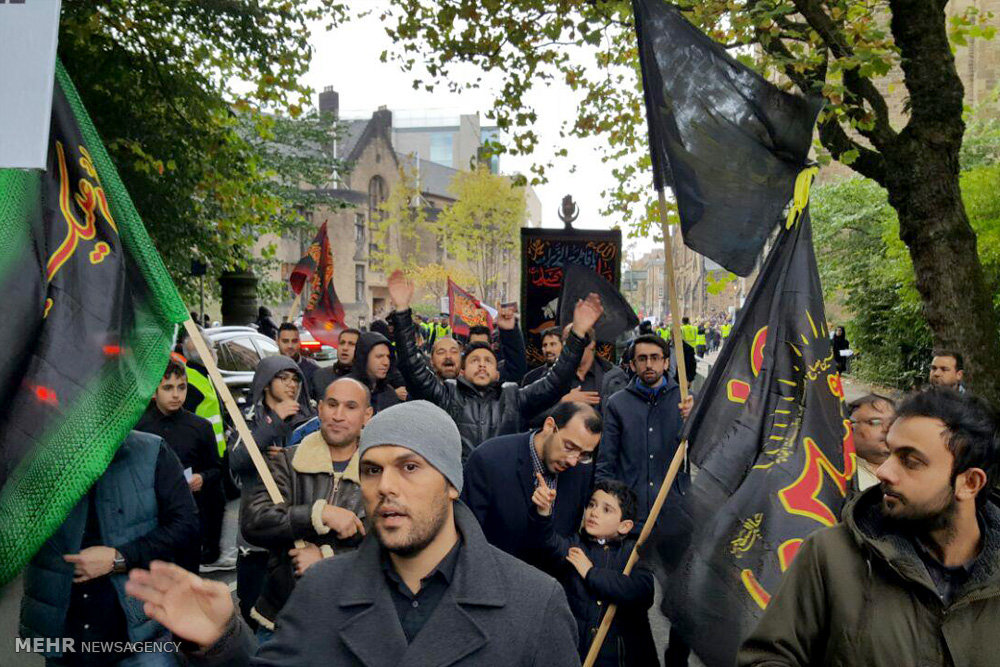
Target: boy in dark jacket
193	441
590	567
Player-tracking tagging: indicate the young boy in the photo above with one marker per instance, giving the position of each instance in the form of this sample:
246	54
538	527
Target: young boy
191	438
590	567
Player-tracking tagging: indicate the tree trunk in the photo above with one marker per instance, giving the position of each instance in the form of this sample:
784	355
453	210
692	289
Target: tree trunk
921	177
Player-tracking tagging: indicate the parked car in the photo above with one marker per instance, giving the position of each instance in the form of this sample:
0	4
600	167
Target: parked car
239	350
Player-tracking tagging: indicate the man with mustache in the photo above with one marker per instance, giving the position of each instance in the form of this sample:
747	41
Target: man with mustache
424	588
912	575
446	358
481	405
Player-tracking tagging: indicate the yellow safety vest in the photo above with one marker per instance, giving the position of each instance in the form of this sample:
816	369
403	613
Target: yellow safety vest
726	328
690	332
209	407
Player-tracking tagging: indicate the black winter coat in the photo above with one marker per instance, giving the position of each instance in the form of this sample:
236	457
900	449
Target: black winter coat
383	391
304	476
498	482
640	437
481	414
630	639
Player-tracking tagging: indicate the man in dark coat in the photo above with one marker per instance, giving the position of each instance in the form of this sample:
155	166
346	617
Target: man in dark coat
424	588
191	438
373	362
501	475
265	322
642	427
481	406
347	343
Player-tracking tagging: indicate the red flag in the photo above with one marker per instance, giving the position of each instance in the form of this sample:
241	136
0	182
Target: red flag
323	315
465	311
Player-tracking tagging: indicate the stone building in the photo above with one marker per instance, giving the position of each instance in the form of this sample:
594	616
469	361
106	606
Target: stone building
371	147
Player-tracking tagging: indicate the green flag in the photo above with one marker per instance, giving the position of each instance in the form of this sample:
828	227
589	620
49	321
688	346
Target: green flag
89	318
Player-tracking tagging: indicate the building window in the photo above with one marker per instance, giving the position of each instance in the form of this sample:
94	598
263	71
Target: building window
359	283
359	229
377	194
441	148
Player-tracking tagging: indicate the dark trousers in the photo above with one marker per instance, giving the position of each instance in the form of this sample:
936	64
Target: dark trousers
211	506
251	568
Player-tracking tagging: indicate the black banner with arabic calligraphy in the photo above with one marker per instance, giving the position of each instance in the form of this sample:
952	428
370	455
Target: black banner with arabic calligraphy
774	455
90	315
544	253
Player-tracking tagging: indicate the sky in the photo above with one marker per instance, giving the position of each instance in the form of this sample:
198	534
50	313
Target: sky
348	58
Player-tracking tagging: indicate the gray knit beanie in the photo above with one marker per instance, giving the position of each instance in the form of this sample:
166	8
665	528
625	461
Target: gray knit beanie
425	429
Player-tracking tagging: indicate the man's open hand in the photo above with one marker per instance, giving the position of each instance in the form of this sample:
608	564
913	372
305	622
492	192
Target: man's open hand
192	608
400	290
586	313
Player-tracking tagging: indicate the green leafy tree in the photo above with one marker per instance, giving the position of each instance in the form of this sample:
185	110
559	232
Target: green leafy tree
844	50
190	99
481	228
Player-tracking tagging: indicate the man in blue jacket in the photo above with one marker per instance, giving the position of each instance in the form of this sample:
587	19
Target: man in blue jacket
502	473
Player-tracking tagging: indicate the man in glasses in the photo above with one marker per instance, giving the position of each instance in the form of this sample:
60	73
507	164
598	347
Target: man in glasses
502	473
871	417
642	426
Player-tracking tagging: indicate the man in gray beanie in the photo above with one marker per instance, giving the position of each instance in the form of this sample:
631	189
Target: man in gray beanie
424	588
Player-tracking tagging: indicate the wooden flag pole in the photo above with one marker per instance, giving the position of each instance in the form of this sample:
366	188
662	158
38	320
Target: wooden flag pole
294	308
234	412
679	455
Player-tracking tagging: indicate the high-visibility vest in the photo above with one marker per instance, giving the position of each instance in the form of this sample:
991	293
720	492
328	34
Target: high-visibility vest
701	339
209	407
690	332
726	328
664	333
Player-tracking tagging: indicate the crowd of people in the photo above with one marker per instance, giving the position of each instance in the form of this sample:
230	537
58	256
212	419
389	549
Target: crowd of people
443	504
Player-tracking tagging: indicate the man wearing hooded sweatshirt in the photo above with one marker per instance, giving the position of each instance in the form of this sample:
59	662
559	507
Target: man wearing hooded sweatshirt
912	575
373	362
481	406
278	406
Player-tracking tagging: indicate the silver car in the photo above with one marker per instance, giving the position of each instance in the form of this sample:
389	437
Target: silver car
240	349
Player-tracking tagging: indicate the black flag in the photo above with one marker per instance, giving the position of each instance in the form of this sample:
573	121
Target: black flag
618	317
728	142
774	453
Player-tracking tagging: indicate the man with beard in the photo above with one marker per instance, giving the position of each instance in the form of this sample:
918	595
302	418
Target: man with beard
481	405
947	370
373	361
321	487
424	588
552	346
446	358
912	575
347	343
871	416
502	474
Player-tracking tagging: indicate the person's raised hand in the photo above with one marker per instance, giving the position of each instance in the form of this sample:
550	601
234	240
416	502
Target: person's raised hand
579	560
400	290
343	522
580	396
192	608
543	497
586	313
506	318
303	558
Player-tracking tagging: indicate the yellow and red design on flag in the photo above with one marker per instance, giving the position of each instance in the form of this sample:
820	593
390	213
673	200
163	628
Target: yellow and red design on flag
465	311
323	315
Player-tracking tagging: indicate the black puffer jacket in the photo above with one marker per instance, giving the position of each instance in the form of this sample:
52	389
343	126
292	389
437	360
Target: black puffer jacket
383	391
481	414
305	477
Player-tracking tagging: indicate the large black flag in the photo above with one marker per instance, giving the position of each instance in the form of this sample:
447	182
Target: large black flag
728	142
774	454
90	315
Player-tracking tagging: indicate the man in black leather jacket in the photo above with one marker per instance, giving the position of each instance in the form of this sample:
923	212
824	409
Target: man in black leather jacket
481	406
